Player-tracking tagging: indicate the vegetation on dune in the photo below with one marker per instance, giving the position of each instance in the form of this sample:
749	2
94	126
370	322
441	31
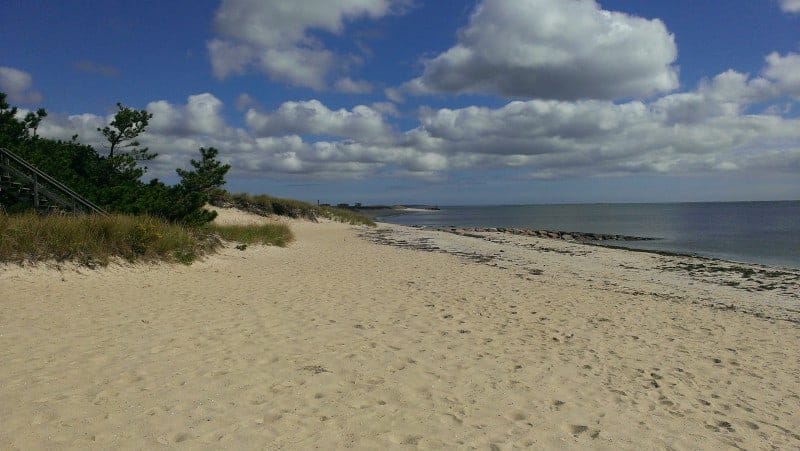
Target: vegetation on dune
270	234
345	216
149	221
95	240
264	205
113	181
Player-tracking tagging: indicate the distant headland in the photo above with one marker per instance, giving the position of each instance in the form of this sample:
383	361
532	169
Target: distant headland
374	211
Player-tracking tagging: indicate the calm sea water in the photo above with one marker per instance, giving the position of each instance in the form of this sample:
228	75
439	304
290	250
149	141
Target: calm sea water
756	232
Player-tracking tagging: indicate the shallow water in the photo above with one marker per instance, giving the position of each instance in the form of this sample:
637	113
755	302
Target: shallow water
755	232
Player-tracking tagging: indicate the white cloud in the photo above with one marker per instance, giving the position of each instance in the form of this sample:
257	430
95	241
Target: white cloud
202	114
790	6
554	49
785	72
176	132
59	126
351	86
708	130
245	101
276	37
728	94
17	84
560	139
312	117
394	95
386	108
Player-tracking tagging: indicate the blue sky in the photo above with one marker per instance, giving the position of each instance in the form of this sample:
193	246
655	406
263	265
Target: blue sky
413	101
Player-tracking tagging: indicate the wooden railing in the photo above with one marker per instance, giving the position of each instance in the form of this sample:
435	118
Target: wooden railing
43	185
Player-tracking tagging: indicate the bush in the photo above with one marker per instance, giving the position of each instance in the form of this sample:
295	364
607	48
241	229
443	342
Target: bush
113	181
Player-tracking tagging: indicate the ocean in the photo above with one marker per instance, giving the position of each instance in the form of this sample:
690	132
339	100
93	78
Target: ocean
755	232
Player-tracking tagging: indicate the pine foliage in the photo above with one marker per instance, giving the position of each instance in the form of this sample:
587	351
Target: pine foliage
113	181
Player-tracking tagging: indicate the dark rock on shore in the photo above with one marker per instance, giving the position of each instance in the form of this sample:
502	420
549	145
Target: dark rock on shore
553	234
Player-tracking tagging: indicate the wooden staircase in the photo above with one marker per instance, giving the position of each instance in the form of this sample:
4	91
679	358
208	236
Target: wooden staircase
23	183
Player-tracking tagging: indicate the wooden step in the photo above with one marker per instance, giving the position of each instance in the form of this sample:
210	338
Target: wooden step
18	179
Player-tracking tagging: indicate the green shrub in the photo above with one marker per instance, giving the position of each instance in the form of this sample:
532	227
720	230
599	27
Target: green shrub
112	181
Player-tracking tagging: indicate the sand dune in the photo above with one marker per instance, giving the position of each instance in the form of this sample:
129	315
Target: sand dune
340	341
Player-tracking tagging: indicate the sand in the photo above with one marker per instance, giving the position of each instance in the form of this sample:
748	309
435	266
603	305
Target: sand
436	341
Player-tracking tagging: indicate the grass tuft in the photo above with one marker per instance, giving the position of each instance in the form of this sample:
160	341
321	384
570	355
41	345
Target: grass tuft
345	216
264	205
269	234
94	240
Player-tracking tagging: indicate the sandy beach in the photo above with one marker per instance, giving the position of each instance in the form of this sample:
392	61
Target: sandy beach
401	338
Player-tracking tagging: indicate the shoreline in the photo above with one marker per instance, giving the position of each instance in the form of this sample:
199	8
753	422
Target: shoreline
597	239
754	232
399	337
590	238
745	278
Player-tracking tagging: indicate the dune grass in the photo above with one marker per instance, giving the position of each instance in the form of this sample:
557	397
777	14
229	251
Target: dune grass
94	239
269	234
267	205
345	216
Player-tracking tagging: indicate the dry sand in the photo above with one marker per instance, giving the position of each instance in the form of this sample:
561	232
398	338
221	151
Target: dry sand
339	341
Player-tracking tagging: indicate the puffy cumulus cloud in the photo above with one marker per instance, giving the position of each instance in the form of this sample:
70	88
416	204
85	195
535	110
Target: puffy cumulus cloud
18	85
274	36
785	72
202	114
710	129
554	49
727	94
311	117
790	6
64	127
555	139
175	132
173	151
366	145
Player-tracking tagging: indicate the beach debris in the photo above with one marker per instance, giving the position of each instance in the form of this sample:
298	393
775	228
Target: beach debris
726	425
316	369
578	429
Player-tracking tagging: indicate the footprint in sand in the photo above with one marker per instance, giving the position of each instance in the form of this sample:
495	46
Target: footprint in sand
182	437
578	429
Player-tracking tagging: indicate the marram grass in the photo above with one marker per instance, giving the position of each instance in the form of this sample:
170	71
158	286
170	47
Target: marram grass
345	216
264	204
94	240
270	234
